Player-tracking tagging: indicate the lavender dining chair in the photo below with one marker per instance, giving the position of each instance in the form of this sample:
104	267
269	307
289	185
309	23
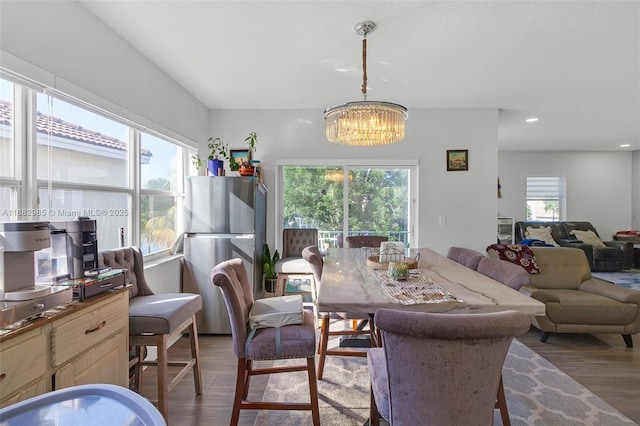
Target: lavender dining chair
312	255
296	341
439	369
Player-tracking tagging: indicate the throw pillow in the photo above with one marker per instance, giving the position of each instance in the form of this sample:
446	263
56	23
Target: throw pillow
543	233
519	254
588	237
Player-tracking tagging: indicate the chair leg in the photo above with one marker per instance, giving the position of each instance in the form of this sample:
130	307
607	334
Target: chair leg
313	391
545	335
628	340
163	379
241	379
195	354
137	380
374	416
501	403
247	378
324	342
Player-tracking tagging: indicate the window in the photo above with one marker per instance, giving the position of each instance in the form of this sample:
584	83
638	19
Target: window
84	161
8	181
545	198
159	170
347	200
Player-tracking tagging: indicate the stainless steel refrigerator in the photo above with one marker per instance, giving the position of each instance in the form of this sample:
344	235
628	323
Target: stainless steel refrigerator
225	218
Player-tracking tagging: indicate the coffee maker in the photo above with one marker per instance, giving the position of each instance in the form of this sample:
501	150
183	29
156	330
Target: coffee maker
27	288
79	238
19	243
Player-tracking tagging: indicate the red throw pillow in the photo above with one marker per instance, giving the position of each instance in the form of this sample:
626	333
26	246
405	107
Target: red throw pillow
519	254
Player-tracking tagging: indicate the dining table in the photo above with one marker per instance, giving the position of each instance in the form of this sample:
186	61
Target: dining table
354	281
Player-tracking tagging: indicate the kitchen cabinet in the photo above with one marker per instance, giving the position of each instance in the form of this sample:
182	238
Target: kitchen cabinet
79	343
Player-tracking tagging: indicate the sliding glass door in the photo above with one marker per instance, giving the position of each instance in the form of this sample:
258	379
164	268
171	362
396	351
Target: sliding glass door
346	199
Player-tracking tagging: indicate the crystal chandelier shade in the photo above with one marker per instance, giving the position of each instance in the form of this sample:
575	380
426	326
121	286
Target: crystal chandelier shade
365	123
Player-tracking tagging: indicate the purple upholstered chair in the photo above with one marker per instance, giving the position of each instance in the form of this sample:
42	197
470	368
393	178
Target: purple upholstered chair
296	341
439	369
464	256
312	255
359	241
505	272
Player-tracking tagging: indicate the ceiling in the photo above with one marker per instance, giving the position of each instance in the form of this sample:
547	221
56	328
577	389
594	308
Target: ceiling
574	65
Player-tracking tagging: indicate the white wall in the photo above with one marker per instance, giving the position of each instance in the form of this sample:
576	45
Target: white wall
62	45
635	192
467	199
599	185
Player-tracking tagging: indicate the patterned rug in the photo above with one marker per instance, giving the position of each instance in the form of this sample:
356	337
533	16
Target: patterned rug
629	279
537	392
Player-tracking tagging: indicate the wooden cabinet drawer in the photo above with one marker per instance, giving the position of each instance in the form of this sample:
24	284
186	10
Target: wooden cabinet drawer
22	362
33	389
106	363
75	334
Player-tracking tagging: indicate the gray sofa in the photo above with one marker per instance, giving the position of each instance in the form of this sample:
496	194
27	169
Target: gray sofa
612	257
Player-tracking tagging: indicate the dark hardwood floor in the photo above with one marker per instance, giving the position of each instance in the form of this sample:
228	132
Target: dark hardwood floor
601	363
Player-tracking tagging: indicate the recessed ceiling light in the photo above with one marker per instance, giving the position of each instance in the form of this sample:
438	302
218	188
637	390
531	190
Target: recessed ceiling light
531	120
625	145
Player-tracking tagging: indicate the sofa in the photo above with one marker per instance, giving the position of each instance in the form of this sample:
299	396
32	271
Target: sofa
576	302
603	256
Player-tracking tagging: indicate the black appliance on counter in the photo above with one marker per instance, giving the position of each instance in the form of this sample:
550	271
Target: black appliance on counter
79	237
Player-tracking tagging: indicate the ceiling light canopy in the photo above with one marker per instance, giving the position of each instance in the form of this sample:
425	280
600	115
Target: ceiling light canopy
365	123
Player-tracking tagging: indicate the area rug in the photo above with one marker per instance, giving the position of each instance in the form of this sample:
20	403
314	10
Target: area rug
537	392
624	279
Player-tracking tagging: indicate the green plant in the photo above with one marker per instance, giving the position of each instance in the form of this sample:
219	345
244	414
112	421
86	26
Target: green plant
269	263
251	140
197	161
233	165
218	148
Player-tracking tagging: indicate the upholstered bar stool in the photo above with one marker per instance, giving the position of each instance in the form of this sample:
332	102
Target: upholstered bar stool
292	265
296	342
312	255
157	320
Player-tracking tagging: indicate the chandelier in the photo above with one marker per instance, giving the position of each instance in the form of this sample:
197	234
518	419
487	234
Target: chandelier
365	123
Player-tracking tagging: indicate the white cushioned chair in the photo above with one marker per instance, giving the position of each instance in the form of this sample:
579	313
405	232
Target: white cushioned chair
291	264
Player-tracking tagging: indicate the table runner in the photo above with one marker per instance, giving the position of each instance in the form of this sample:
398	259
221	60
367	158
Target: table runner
418	288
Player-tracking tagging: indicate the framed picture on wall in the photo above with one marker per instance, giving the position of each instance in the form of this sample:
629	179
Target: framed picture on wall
238	156
457	160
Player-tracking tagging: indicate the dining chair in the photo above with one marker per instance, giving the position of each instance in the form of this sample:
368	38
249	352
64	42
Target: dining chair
464	256
291	264
360	241
512	276
312	255
439	369
296	341
157	320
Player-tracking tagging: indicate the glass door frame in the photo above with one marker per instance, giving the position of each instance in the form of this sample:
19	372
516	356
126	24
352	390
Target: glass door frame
347	165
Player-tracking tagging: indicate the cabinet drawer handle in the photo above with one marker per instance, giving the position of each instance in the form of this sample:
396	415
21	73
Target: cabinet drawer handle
91	330
2	377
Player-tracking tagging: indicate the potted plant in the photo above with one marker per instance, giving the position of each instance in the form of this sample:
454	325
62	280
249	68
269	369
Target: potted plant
217	148
197	162
269	268
246	168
